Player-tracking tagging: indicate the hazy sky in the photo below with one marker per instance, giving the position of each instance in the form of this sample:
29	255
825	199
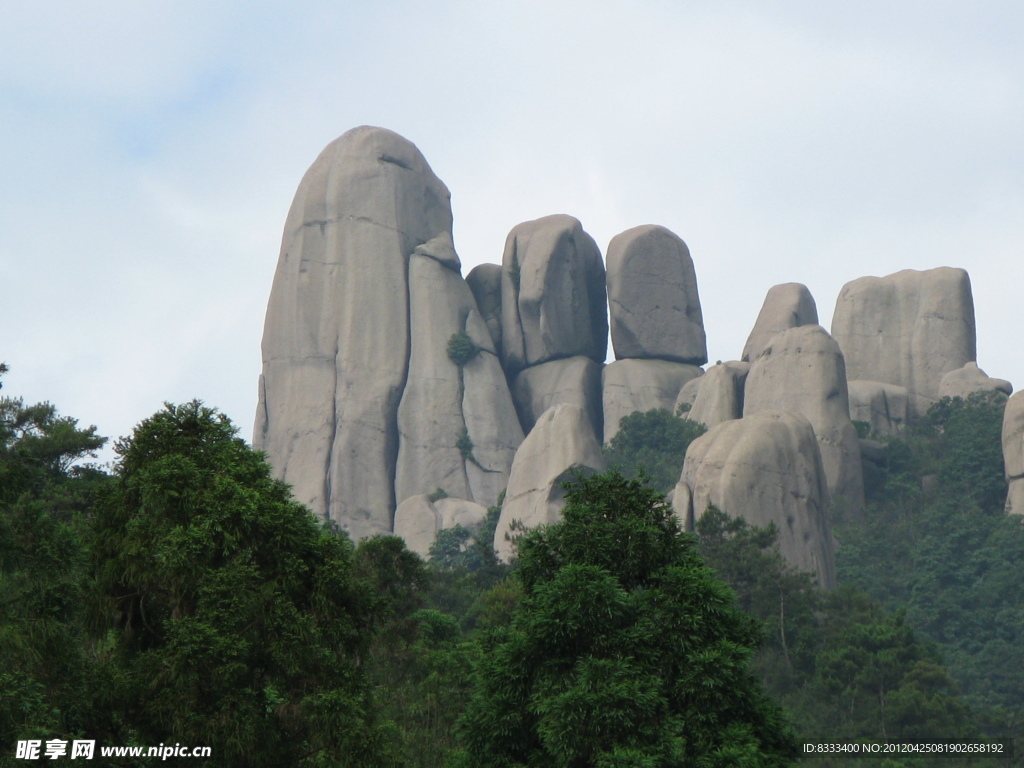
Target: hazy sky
149	152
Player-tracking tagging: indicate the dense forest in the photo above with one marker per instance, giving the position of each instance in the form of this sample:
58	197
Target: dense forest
184	598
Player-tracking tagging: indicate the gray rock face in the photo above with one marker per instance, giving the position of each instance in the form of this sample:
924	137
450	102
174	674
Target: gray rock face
1013	453
802	370
652	292
439	447
576	380
720	397
765	468
786	306
553	297
688	394
641	385
561	440
418	520
883	406
485	282
910	328
964	382
336	339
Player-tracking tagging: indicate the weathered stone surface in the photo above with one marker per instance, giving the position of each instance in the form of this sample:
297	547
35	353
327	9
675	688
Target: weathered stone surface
576	380
910	328
336	339
883	406
485	282
720	397
553	296
561	440
964	382
641	385
1013	452
458	429
418	519
786	306
491	421
652	293
688	394
802	370
765	468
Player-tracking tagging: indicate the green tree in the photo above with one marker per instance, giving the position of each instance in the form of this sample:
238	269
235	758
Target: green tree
624	651
653	443
232	619
45	680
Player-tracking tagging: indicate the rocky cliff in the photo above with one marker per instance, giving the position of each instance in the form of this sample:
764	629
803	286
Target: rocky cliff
397	396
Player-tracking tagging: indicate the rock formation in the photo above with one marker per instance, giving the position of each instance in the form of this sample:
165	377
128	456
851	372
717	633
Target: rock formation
786	306
1013	453
688	394
350	398
802	370
574	380
964	382
560	441
485	282
720	397
641	385
553	297
765	468
419	518
882	406
652	293
910	328
441	445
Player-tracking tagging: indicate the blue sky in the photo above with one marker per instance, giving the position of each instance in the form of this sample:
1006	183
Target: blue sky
149	152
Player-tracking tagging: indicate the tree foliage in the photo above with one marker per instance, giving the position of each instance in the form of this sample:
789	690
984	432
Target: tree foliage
949	555
233	619
654	443
45	679
625	650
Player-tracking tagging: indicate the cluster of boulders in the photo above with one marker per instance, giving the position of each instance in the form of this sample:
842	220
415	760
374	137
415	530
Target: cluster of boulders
397	396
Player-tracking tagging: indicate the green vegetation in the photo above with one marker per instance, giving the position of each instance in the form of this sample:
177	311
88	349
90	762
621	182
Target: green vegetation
949	557
461	348
654	443
624	650
186	598
219	594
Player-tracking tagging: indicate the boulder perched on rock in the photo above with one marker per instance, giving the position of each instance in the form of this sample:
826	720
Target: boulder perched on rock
419	518
910	328
438	446
765	468
964	382
562	440
336	339
786	306
575	380
641	385
553	296
720	397
652	292
802	370
485	282
882	406
1013	452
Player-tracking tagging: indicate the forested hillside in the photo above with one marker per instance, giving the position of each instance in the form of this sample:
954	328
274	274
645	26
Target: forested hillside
183	597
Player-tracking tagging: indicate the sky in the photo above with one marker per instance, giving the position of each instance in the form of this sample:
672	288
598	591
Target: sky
149	152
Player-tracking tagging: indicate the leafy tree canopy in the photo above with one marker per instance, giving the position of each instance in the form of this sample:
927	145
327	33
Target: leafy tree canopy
234	619
625	649
653	443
